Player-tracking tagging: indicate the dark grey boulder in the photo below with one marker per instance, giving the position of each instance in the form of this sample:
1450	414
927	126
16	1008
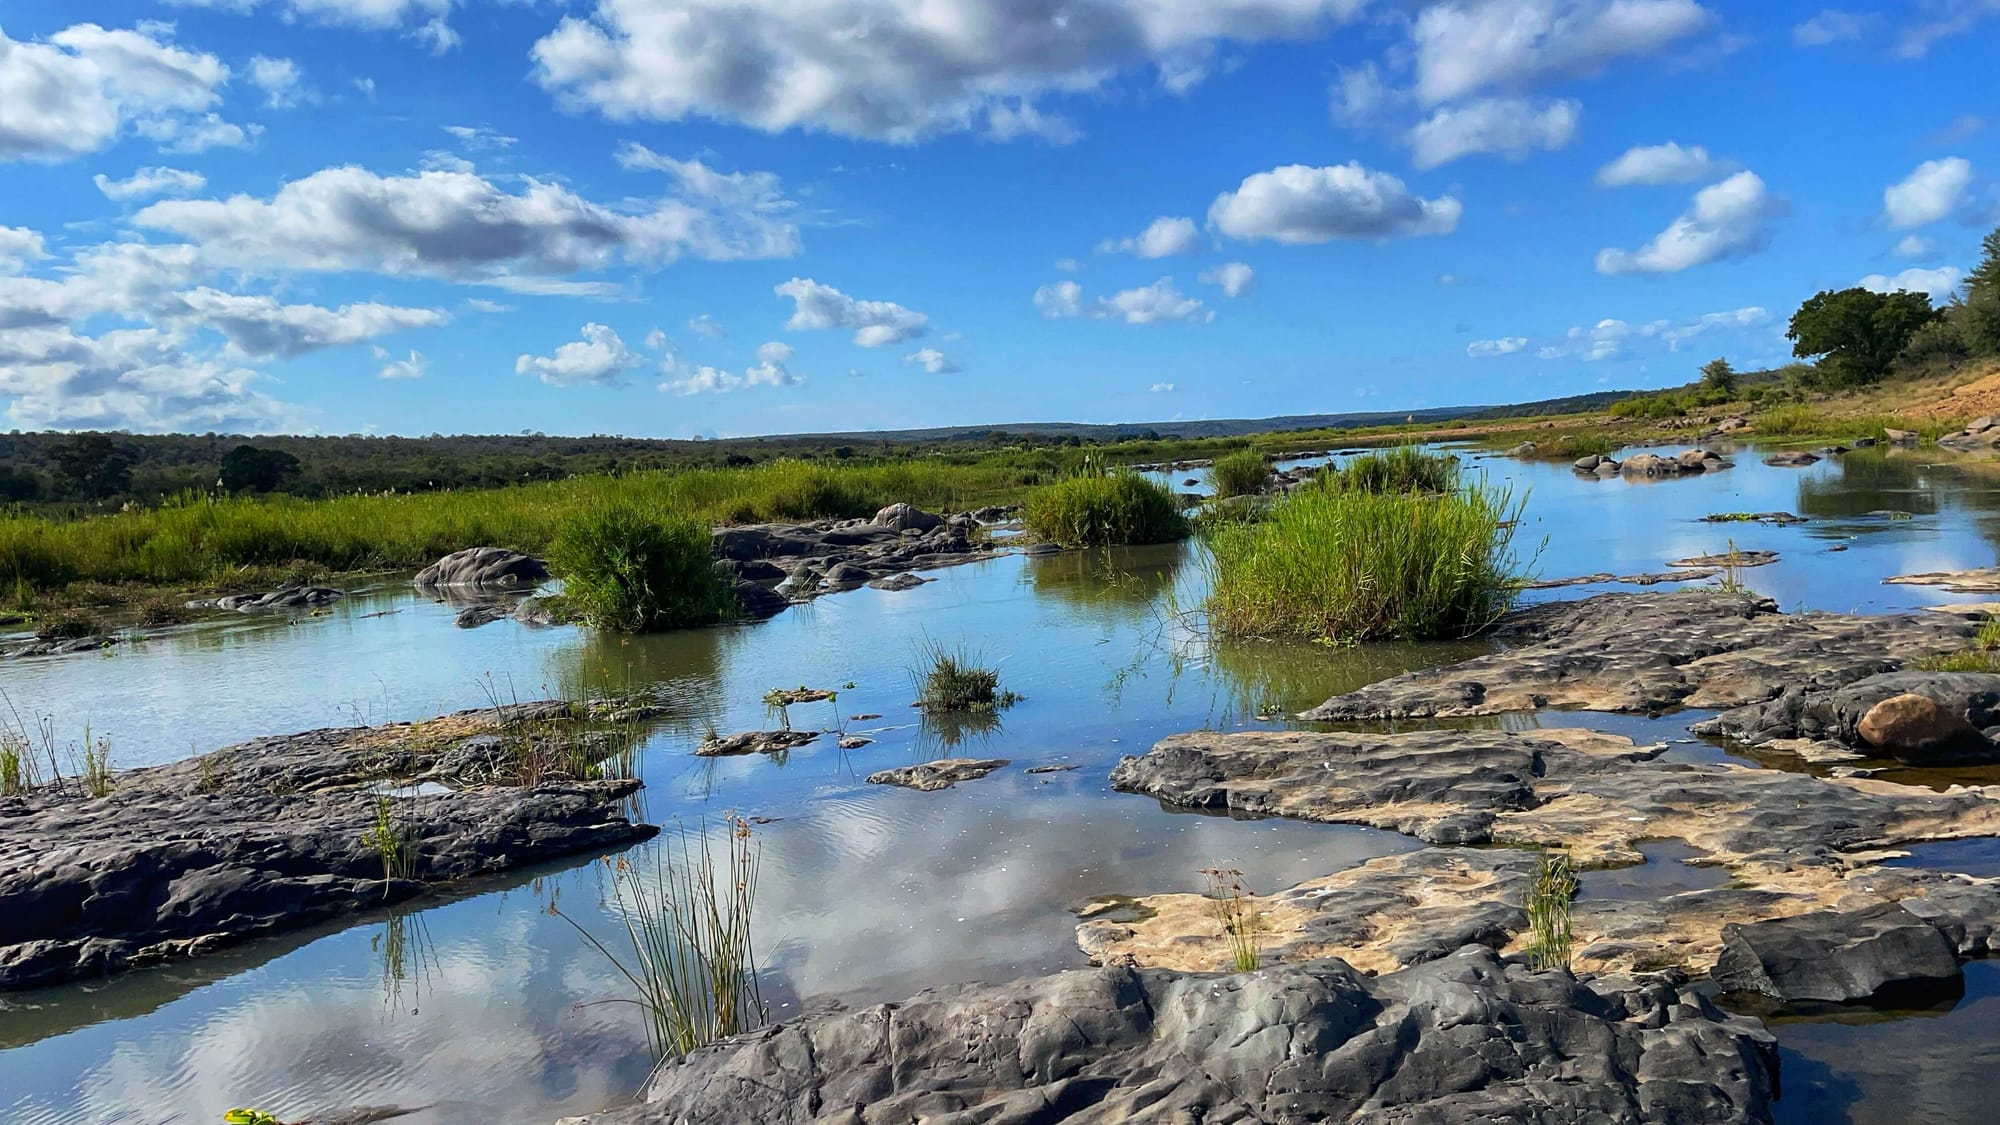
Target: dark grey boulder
1855	715
484	567
1836	956
760	602
905	517
290	597
1465	1038
473	616
903	581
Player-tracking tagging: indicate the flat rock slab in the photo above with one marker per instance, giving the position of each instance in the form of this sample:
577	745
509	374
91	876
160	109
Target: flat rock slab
290	597
1607	578
1983	580
1738	558
941	774
1464	1038
1652	652
754	742
180	860
1833	955
1922	718
1792	843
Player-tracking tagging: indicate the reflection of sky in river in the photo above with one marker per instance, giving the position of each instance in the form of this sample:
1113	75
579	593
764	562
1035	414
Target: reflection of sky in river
867	893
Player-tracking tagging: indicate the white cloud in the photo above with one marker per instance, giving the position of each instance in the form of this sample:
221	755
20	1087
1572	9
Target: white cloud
1831	25
1505	345
884	71
197	134
776	351
768	371
1152	304
411	368
140	379
262	328
20	247
1233	278
85	86
1942	19
1010	122
149	182
1913	246
420	20
1932	191
479	138
482	305
1938	284
1510	127
600	357
457	226
1465	46
1668	163
1609	338
1161	388
1728	220
933	361
706	326
1068	265
279	79
1359	95
1060	299
875	323
1301	204
1163	238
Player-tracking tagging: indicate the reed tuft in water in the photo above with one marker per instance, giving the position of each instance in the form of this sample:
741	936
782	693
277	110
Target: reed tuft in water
691	963
639	570
392	840
1243	473
1549	904
1095	508
1229	902
954	680
1403	468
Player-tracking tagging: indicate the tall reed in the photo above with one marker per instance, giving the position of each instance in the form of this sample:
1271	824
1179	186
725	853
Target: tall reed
1402	468
1229	902
1242	473
1104	509
1549	904
638	570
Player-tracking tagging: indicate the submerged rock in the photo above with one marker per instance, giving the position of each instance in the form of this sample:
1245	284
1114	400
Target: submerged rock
484	567
1835	956
754	742
1797	459
897	582
1464	1038
941	774
289	597
1650	652
1733	558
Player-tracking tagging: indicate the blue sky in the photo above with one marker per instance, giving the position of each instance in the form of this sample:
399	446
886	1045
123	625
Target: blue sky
718	217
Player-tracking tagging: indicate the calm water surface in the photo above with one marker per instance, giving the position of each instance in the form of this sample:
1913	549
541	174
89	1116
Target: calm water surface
482	1008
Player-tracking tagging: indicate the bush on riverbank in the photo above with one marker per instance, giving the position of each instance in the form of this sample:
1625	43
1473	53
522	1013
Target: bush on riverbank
1405	468
1100	509
1243	473
634	570
1347	565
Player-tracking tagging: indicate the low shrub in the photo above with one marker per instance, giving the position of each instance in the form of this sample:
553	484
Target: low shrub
1098	509
639	570
1242	473
1348	565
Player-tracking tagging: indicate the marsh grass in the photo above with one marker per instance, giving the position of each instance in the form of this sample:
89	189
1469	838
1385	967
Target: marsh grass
637	570
1550	900
1982	656
67	624
1347	565
1731	581
1095	508
18	772
1799	420
393	840
1402	468
690	962
1243	473
955	680
1570	446
1228	901
93	764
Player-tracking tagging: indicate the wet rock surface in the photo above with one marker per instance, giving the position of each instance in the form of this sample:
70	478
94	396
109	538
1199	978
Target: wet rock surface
754	742
1922	718
1651	652
288	597
1464	1038
1981	580
180	860
486	568
777	564
1834	956
941	774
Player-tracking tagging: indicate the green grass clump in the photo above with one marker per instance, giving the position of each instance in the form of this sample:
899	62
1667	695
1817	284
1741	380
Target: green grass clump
1798	420
1404	468
953	680
67	624
1243	473
1569	447
1100	509
1346	566
639	571
1549	905
1229	902
1983	656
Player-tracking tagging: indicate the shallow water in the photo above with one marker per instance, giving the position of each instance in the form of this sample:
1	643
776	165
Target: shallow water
483	1007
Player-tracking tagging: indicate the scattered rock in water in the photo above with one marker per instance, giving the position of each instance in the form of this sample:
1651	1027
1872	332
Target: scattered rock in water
941	774
760	602
786	697
540	612
62	646
854	742
1525	449
1833	955
1733	558
903	581
289	597
1588	463
1467	1037
1980	580
863	717
485	567
1049	769
754	742
1607	578
1921	718
757	570
1650	652
1794	459
473	616
1779	519
270	835
904	517
1903	437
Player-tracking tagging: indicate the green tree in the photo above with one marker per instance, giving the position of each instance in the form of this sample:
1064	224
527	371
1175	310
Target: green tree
1978	318
1856	333
250	469
1719	378
92	466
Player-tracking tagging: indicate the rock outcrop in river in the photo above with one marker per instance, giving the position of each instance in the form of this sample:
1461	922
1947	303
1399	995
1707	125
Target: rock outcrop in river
180	860
1463	1038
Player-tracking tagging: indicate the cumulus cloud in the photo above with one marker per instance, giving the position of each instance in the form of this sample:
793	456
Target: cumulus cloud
769	371
458	226
1932	191
875	323
1609	338
1359	95
420	20
1161	388
1938	284
1157	303
1831	25
411	368
1509	127
261	328
1060	299
19	247
1301	204
1163	238
1668	163
149	182
1941	19
1728	220
86	86
933	361
895	72
1505	345
1913	246
706	326
280	80
1466	46
1006	122
1233	278
600	357
141	379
